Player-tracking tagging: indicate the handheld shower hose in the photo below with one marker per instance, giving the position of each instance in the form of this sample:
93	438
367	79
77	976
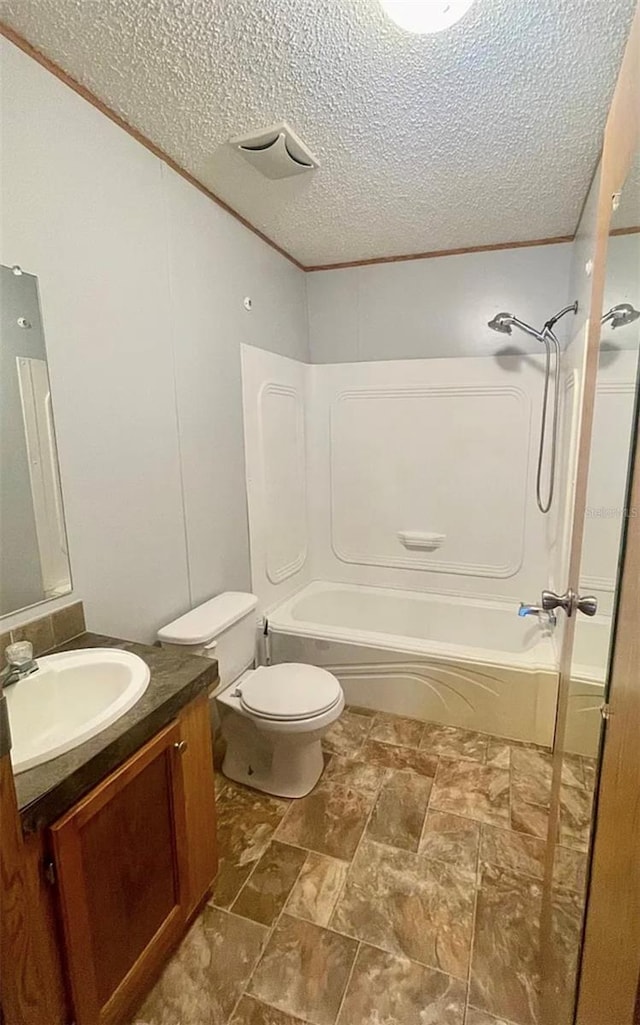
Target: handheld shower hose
503	323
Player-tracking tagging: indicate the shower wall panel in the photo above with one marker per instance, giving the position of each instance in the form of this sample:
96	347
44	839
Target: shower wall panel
274	390
406	474
422	475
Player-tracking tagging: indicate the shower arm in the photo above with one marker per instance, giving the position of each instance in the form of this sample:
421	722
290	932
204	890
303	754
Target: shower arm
551	323
607	317
528	330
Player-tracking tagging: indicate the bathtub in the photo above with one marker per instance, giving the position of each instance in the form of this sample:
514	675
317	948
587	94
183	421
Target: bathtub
588	685
458	661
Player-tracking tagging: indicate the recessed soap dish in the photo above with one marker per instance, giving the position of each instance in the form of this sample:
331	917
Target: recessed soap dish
421	540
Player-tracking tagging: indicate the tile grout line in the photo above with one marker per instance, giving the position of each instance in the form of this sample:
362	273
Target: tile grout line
476	893
511	792
376	795
270	931
428	809
247	880
270	934
346	988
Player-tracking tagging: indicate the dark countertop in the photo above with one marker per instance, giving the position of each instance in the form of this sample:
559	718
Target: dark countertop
48	790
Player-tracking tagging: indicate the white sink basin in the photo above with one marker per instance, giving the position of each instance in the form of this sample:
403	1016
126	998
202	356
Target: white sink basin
71	697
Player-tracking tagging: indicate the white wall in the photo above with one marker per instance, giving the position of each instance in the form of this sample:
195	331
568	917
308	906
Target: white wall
436	307
214	263
141	281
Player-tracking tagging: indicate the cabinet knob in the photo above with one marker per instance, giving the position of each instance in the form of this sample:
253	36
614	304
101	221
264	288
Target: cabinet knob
180	746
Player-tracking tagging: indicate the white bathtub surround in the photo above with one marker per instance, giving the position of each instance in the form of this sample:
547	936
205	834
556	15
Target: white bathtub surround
275	400
408	484
439	447
613	419
458	661
418	475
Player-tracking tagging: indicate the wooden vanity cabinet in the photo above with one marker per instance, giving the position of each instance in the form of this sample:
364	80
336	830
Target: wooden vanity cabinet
133	860
199	804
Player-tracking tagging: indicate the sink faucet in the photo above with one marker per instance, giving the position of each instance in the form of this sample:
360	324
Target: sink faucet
20	663
537	610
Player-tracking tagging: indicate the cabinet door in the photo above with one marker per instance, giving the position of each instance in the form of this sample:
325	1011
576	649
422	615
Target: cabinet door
31	983
199	794
121	871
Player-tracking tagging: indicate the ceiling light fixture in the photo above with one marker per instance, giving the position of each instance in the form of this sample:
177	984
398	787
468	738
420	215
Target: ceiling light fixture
425	15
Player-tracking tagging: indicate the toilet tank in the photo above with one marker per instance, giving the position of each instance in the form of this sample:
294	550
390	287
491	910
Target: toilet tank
223	628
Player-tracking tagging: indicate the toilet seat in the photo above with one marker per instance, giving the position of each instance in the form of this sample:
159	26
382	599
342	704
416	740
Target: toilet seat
292	691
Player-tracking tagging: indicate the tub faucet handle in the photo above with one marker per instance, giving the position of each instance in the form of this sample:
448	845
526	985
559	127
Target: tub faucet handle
570	602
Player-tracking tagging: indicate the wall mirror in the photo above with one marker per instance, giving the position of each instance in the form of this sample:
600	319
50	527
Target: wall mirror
34	557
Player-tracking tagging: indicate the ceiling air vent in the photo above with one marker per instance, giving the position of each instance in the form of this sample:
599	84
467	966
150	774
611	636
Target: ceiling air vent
277	152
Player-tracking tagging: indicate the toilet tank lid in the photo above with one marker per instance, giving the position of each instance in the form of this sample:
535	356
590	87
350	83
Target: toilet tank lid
209	620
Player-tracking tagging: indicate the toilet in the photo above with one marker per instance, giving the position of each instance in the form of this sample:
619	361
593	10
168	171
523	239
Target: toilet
273	718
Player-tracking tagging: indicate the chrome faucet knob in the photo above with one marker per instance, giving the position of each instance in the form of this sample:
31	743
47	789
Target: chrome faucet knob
19	653
587	605
20	662
570	601
550	600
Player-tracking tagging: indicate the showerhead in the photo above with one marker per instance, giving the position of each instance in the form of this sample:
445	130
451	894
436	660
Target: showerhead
621	315
502	322
505	322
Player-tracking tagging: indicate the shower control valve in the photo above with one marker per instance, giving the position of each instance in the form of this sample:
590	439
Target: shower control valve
570	602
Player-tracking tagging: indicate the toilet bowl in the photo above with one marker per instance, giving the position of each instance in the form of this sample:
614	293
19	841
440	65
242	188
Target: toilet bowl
273	718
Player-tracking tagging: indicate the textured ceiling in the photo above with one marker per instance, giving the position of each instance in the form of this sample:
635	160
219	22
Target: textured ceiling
485	133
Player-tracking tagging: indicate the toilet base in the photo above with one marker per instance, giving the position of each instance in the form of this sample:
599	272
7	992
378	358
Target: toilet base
285	767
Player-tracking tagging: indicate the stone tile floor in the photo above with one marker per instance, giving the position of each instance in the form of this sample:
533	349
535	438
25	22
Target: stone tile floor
406	888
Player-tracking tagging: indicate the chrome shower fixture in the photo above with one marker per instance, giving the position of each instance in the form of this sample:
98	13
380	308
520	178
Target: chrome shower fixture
551	323
620	315
503	323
